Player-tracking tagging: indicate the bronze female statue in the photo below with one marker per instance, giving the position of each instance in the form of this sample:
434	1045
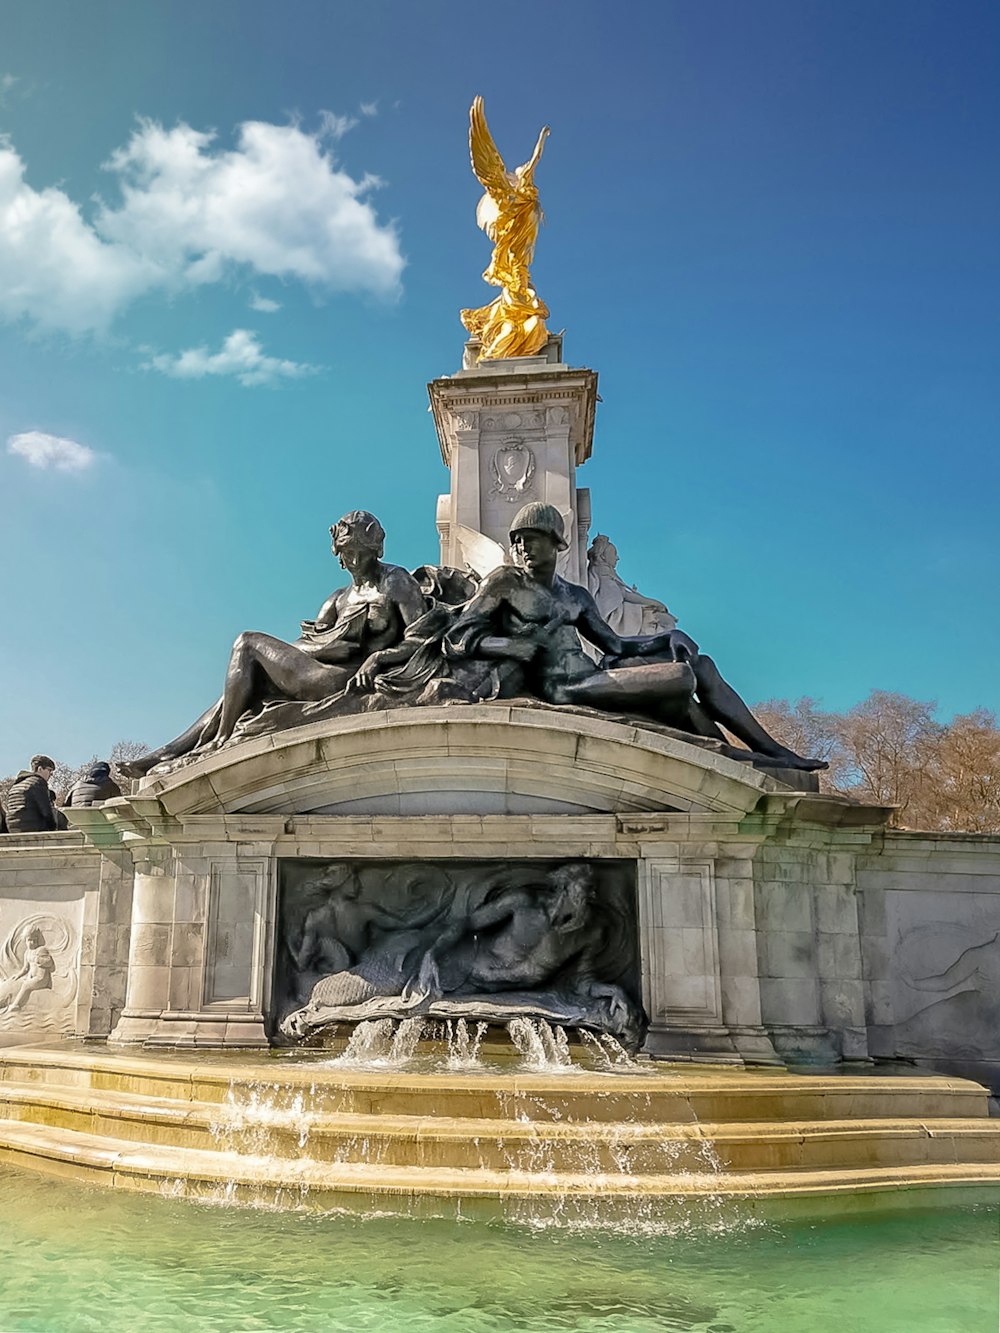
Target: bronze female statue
368	616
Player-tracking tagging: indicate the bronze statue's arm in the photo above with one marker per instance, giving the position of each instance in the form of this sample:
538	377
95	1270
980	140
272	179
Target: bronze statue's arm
492	913
470	635
596	629
326	619
500	646
404	590
327	615
412	605
364	677
383	918
305	949
488	914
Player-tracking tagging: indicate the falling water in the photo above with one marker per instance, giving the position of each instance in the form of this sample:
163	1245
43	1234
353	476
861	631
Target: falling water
602	1057
404	1043
382	1043
252	1114
542	1046
563	1171
619	1056
463	1046
370	1043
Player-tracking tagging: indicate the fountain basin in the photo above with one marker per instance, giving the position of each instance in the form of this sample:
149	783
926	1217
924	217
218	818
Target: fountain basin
138	1261
312	1133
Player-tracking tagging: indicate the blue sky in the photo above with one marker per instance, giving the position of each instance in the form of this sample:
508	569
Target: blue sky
234	240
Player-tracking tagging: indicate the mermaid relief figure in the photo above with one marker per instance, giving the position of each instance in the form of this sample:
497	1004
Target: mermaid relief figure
367	616
35	973
342	926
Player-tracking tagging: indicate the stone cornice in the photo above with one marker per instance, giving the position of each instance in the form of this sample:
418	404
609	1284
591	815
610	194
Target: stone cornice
452	396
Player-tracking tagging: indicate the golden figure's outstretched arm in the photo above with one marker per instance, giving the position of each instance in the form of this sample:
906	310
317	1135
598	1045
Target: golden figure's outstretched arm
526	172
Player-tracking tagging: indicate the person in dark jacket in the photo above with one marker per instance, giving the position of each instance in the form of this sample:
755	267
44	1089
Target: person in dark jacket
30	803
96	785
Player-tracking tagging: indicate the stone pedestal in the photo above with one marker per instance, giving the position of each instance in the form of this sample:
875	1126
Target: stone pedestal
513	431
772	925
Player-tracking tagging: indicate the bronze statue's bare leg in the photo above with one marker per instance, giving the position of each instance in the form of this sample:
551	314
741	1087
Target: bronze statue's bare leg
723	705
293	673
698	721
663	687
196	734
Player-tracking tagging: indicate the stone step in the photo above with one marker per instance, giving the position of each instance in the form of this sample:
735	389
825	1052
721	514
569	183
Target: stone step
294	1130
667	1094
237	1177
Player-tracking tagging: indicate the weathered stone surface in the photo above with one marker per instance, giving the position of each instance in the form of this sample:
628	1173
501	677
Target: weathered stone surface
768	920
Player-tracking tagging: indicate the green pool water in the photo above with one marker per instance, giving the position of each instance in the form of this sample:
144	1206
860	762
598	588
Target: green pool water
80	1258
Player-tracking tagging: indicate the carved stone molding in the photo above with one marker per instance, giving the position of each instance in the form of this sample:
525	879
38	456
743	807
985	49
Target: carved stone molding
513	471
680	944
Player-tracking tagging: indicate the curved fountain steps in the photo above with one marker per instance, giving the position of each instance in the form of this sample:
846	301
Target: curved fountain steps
267	1131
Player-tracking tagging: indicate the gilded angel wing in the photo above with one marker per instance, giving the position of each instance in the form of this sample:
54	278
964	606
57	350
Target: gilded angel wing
487	163
489	169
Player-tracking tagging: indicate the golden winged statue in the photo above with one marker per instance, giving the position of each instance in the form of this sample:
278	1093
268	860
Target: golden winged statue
510	214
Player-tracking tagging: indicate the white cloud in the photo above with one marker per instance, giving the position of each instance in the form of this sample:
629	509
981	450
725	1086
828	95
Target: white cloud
332	126
264	304
369	108
191	213
54	268
241	356
51	452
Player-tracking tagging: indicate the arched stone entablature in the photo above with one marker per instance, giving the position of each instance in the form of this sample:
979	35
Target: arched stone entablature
480	759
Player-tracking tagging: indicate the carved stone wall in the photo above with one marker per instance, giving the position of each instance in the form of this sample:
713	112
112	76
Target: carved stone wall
64	926
767	920
373	922
930	939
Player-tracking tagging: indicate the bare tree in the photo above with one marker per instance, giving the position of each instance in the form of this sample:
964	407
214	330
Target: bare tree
890	741
964	793
890	750
804	728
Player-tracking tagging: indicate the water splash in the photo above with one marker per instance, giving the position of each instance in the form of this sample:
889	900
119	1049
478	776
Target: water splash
619	1055
370	1044
602	1058
463	1045
406	1040
254	1118
542	1047
631	1176
382	1043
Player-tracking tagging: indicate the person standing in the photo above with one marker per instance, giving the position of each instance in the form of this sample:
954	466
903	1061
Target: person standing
96	785
30	802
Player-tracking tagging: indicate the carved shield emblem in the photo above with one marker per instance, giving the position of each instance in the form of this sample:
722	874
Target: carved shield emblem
513	469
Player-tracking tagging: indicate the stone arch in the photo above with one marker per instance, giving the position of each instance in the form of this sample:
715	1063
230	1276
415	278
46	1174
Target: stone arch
460	759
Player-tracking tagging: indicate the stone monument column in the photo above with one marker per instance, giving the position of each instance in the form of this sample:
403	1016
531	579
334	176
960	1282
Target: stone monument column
148	989
513	430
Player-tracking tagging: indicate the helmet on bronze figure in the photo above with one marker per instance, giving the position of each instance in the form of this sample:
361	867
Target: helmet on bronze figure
358	528
538	517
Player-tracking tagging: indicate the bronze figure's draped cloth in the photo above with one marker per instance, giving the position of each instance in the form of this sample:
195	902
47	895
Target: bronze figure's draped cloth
509	213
